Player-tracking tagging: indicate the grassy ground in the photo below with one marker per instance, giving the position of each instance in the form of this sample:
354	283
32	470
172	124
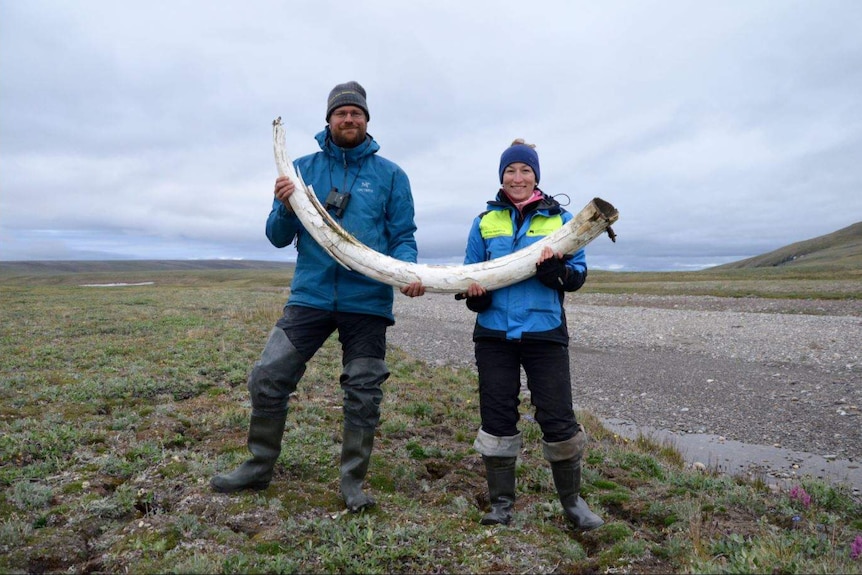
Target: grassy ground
796	283
118	404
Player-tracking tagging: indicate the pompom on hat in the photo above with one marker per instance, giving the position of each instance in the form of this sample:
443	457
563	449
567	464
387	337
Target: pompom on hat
347	94
520	152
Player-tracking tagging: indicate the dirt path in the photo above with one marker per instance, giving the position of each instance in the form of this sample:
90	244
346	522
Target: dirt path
742	383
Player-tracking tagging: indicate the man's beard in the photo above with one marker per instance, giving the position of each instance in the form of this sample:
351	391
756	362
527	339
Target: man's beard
343	141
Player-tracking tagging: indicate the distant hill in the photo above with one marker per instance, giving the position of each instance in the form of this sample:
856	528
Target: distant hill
838	250
841	250
82	266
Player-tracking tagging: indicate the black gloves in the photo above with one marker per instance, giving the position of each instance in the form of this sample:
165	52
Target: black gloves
553	273
478	303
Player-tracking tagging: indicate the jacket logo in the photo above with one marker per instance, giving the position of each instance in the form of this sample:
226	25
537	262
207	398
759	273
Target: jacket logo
543	226
365	186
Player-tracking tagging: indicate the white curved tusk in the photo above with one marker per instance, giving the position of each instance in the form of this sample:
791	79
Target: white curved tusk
588	224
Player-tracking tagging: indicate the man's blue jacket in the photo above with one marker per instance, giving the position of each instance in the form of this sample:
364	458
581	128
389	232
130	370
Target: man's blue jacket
379	214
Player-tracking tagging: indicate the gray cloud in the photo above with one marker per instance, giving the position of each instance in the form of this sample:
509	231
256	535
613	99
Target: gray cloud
718	130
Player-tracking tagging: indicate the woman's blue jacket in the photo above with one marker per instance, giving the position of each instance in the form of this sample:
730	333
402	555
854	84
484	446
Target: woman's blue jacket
528	309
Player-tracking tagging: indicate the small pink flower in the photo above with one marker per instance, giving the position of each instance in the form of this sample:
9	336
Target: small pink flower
797	492
856	548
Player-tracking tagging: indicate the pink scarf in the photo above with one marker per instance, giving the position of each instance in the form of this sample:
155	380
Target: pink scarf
537	195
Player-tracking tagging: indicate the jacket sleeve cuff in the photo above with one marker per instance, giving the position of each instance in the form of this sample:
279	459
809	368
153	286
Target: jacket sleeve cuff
574	280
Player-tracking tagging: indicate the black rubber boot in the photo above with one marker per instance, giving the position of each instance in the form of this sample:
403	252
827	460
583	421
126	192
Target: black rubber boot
500	472
264	442
356	449
567	478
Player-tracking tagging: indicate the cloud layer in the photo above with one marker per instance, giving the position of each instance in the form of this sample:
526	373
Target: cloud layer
719	130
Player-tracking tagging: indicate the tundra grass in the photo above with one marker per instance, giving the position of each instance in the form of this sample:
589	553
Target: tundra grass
118	404
805	283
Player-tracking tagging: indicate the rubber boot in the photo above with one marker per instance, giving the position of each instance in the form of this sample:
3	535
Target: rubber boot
356	449
500	473
264	442
567	479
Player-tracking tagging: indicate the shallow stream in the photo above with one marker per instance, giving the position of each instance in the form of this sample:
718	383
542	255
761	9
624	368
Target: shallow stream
774	465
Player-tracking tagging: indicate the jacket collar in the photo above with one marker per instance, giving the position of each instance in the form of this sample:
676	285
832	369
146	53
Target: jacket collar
546	204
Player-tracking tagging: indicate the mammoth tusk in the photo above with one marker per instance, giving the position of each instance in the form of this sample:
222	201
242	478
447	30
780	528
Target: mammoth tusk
589	223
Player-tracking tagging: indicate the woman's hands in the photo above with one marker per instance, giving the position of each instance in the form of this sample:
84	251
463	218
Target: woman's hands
551	269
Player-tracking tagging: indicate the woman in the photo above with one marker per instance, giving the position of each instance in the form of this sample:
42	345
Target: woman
525	325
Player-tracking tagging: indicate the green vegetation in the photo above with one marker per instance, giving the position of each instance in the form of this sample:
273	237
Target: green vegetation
778	282
840	250
826	267
118	404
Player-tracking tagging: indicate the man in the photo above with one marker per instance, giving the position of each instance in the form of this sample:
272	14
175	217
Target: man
370	197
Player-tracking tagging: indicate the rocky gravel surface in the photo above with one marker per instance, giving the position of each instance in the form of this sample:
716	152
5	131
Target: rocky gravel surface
779	373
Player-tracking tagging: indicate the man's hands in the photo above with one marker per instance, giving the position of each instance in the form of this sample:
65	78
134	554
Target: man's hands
284	188
414	289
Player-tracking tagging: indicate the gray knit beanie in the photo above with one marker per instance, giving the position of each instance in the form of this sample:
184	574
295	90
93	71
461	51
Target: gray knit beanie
347	94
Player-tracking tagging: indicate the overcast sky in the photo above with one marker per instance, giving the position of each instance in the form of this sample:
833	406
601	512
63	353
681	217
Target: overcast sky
142	129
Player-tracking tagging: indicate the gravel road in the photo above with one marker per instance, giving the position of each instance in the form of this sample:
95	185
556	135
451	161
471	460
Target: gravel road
780	373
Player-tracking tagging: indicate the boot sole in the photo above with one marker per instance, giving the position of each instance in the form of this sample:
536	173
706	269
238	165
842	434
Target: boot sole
589	527
252	487
492	521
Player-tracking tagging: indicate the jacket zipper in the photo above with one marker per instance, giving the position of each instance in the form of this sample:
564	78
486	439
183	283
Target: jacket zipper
338	268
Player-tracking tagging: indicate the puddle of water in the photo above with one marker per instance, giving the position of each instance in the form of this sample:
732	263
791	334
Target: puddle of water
774	465
118	284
